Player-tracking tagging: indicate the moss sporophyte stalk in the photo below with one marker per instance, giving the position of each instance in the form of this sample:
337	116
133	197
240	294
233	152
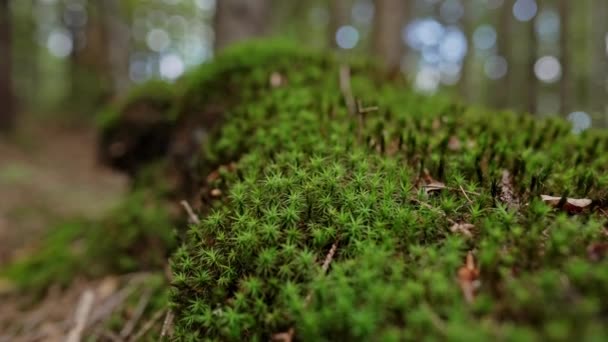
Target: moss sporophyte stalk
433	209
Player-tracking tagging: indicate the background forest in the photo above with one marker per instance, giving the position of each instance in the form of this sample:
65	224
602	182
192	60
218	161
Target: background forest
549	57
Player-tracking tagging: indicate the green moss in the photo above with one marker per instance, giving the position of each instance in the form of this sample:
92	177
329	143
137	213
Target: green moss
137	235
156	93
309	175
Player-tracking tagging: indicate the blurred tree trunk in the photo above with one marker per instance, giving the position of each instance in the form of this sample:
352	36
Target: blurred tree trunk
339	15
116	39
564	89
531	91
7	105
237	20
468	25
598	88
502	91
389	17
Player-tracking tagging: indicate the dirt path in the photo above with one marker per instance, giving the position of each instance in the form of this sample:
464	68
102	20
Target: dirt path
48	173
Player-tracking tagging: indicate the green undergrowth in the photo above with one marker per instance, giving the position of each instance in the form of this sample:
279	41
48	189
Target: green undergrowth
310	175
135	236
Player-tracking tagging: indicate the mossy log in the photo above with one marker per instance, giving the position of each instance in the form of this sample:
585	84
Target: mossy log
338	205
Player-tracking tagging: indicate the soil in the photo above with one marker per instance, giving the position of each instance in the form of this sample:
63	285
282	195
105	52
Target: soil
48	173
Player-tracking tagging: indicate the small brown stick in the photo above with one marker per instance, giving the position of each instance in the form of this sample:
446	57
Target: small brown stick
139	310
329	257
288	335
193	217
465	194
346	89
147	326
81	316
167	324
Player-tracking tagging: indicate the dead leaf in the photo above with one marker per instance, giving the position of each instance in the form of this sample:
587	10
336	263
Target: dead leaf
284	336
465	229
468	278
276	80
572	205
597	251
454	143
431	185
213	176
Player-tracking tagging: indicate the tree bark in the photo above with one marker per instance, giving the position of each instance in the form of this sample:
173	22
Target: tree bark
339	15
531	92
117	39
389	18
598	88
237	20
503	88
564	87
7	100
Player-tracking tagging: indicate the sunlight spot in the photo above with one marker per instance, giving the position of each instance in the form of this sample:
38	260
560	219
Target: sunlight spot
548	69
453	46
205	5
496	67
547	25
580	121
363	11
60	43
171	66
451	11
525	10
158	40
427	80
347	37
484	37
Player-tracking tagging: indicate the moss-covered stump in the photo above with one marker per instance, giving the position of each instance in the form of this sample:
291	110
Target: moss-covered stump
408	217
335	205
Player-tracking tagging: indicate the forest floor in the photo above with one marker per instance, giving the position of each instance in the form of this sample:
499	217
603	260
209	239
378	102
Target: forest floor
49	172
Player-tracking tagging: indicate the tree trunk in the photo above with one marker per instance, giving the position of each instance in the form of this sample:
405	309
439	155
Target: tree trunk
339	15
564	88
387	43
503	87
237	20
531	91
468	24
598	88
117	39
7	104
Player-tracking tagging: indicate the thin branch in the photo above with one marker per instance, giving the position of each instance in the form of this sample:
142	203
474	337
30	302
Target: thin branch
288	335
346	89
147	326
139	310
81	316
167	325
465	194
193	217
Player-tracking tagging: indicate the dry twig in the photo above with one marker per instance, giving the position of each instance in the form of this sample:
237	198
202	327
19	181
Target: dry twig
288	335
139	310
81	316
191	215
147	326
167	324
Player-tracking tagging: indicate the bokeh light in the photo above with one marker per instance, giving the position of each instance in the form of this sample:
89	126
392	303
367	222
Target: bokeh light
580	121
548	69
347	37
484	37
158	40
525	10
496	67
60	43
